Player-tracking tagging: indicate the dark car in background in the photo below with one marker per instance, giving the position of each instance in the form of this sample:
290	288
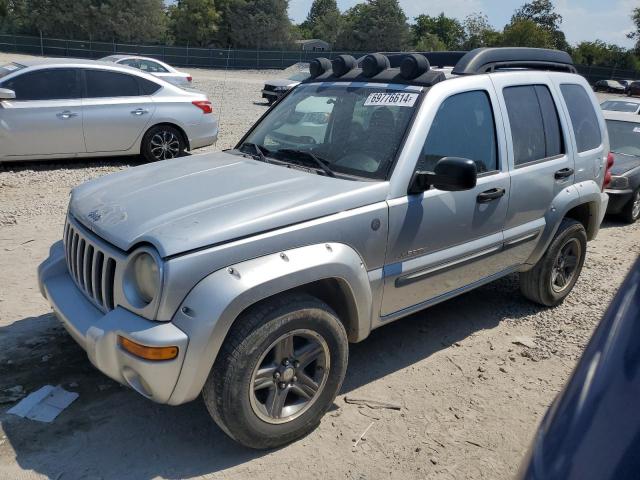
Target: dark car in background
624	188
592	430
634	89
610	86
276	88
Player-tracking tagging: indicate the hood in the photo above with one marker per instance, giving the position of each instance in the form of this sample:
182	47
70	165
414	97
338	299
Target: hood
282	82
192	202
623	163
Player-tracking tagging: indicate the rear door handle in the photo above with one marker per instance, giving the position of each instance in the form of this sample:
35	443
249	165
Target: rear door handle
563	173
139	111
489	195
66	115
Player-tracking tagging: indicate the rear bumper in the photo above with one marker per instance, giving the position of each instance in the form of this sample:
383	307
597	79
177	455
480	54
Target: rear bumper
203	134
97	333
618	199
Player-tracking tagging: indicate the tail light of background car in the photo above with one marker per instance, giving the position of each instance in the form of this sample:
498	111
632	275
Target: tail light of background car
189	78
607	171
204	105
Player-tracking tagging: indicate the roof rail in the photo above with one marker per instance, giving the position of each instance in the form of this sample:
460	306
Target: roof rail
484	60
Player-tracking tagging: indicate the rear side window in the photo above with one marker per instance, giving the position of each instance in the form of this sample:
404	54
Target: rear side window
463	127
50	84
535	128
583	118
102	83
147	87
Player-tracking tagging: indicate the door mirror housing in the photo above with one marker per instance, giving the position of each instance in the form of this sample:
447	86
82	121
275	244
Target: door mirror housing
451	174
6	94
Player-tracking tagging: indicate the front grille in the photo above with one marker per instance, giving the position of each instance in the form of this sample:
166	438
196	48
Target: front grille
91	267
269	88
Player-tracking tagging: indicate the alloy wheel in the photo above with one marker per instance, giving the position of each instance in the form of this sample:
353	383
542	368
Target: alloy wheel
165	145
635	206
565	265
290	376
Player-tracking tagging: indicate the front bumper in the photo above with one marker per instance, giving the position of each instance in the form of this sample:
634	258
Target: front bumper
271	95
618	199
97	333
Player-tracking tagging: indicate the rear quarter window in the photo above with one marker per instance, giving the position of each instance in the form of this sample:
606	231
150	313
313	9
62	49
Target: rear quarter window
584	120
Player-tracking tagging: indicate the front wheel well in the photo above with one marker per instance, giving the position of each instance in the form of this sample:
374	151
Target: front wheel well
185	138
336	293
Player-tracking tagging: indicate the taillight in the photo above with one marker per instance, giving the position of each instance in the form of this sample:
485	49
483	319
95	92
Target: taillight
189	78
607	171
204	105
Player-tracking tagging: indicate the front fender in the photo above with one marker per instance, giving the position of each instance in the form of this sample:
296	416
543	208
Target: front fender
209	310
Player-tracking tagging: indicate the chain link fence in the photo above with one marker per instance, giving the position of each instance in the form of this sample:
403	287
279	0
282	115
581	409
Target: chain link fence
216	57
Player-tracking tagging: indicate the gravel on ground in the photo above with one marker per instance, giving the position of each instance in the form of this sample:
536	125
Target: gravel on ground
473	376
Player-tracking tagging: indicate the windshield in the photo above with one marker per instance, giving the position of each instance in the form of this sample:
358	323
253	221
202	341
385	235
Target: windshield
354	128
10	68
620	106
624	137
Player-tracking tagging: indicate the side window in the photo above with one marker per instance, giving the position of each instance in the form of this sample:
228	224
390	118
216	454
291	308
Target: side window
463	127
102	83
583	118
52	84
151	67
148	87
535	128
130	62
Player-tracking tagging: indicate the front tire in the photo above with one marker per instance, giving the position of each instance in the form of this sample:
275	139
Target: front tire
631	211
162	142
555	274
278	371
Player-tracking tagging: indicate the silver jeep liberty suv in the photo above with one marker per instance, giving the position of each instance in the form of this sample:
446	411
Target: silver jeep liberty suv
362	196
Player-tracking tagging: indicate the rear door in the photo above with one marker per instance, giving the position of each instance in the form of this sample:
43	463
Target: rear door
115	110
540	157
46	116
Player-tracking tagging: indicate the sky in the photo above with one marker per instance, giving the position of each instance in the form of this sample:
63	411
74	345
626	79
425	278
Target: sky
607	20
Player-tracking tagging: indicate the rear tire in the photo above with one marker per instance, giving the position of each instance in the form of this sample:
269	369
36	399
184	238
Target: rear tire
162	142
255	389
555	274
631	211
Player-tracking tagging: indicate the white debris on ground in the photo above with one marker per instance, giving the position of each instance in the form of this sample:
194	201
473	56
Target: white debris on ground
45	404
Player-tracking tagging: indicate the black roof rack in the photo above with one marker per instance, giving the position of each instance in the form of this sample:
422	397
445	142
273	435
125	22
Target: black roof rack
481	60
484	60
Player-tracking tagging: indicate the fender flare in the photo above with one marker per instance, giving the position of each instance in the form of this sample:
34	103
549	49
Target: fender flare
213	305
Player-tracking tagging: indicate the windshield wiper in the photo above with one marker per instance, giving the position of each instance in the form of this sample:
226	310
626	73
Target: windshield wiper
259	151
321	163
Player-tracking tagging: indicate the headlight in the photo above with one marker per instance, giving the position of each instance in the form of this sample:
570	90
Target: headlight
618	183
142	279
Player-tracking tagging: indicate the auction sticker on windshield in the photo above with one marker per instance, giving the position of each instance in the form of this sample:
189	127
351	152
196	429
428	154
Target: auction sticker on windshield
398	99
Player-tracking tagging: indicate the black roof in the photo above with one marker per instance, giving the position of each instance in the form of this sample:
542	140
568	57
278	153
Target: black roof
478	61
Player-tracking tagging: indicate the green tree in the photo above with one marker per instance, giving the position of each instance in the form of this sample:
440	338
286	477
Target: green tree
254	24
543	14
194	22
599	53
324	21
430	42
375	25
449	30
479	32
526	33
635	35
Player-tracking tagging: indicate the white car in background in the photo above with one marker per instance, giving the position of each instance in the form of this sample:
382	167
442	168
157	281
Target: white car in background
154	67
69	108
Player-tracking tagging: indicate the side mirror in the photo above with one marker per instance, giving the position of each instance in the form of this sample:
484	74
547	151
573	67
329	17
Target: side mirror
6	94
450	174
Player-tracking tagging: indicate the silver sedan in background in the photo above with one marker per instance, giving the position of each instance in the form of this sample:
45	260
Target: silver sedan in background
154	67
52	108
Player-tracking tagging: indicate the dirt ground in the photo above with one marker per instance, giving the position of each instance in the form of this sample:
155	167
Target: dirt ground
471	393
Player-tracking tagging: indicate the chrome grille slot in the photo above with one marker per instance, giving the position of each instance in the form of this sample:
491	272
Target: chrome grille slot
91	266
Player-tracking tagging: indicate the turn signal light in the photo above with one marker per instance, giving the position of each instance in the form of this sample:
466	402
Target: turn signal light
204	105
148	353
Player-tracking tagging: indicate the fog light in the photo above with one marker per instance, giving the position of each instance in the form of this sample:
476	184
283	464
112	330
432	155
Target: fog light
146	352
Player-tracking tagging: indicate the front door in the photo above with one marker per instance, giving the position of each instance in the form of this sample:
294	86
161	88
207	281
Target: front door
46	116
115	111
442	241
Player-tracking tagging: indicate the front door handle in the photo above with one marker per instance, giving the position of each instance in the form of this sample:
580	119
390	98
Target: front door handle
66	115
490	195
563	173
139	111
